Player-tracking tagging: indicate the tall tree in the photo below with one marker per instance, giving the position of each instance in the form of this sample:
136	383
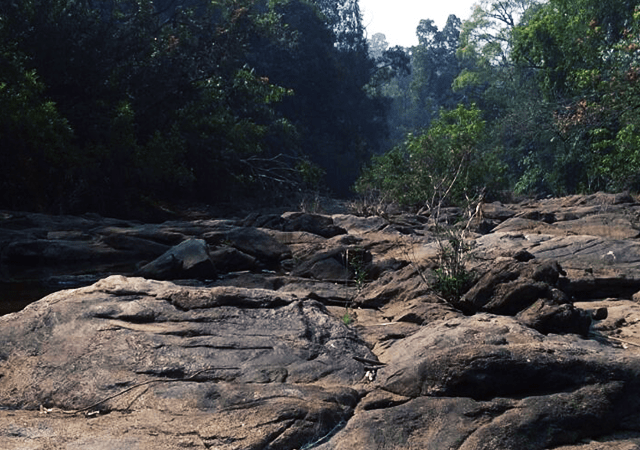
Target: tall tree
518	120
435	67
340	125
418	81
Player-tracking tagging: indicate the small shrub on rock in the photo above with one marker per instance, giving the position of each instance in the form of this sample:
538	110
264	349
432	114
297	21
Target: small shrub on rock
452	277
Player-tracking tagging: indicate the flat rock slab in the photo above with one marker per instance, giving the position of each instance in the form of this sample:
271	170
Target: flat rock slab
263	417
581	251
276	362
608	225
597	267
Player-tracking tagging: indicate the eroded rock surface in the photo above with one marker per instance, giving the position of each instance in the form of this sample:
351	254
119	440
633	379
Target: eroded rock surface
272	359
300	331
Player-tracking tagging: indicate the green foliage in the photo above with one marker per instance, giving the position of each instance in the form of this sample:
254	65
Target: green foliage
357	266
107	103
36	139
438	166
435	66
144	98
417	81
452	278
582	53
452	287
613	123
310	173
556	81
564	40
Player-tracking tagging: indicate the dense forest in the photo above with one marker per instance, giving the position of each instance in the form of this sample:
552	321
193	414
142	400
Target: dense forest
117	105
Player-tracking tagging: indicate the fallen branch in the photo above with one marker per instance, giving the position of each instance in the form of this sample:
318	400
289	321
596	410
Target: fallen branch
600	335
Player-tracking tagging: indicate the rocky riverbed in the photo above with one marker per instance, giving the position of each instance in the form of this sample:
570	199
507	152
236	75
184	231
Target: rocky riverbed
323	331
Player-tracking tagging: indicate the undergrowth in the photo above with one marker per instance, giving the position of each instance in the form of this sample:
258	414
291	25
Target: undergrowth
452	279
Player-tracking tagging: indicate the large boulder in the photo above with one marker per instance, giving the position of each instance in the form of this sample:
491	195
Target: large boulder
489	382
312	223
229	259
549	317
270	370
255	242
486	356
536	292
189	259
511	286
462	423
596	267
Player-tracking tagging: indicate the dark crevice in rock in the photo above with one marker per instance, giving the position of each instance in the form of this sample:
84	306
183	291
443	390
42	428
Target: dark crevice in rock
599	288
119	385
229	347
134	318
490	409
392	336
215	441
167	372
327	437
384	403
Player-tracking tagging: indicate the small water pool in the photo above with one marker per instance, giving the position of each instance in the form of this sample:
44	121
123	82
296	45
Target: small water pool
15	296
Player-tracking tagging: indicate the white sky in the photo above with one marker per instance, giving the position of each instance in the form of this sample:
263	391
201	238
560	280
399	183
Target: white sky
398	19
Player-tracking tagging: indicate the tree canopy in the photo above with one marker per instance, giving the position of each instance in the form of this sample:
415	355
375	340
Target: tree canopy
110	105
555	83
114	102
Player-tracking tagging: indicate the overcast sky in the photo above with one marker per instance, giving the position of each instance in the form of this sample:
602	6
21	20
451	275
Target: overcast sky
398	19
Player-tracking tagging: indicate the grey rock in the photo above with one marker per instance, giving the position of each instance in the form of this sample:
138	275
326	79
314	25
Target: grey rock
141	247
229	259
312	223
252	241
44	252
189	259
358	225
497	210
400	286
317	224
511	286
425	423
458	357
549	317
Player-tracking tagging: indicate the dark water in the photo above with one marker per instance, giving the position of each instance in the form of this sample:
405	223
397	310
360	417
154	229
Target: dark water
15	296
